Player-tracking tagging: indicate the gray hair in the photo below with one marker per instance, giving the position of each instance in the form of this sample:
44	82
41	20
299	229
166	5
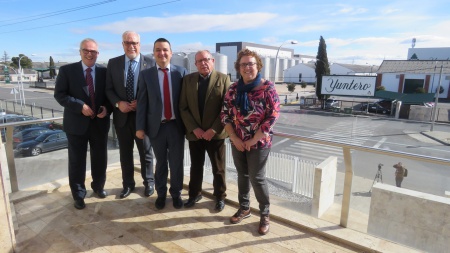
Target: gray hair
131	32
204	51
87	40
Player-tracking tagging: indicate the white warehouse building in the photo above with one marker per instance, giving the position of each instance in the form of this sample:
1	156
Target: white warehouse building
306	72
268	55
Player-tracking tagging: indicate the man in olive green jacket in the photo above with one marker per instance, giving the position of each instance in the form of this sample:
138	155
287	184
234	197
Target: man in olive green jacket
200	105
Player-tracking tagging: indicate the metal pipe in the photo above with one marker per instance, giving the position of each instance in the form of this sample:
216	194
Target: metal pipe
436	99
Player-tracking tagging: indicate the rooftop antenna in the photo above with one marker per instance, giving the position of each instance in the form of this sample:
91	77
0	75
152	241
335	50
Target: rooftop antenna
413	43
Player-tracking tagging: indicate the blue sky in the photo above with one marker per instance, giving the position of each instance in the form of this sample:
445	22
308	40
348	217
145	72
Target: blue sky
356	32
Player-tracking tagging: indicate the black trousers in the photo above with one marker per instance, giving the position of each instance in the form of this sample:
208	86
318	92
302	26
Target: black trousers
77	148
127	137
216	153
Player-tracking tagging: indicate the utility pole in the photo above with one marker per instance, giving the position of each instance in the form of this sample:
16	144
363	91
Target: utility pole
436	100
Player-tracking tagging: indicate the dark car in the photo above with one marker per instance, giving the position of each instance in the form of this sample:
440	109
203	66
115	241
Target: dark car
385	103
47	124
45	142
376	108
28	135
9	118
331	103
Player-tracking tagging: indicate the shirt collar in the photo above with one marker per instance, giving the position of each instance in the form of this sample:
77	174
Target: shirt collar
85	66
168	66
137	59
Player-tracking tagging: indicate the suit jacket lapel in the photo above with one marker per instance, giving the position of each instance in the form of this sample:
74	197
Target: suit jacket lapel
82	79
143	63
98	86
154	80
193	94
212	81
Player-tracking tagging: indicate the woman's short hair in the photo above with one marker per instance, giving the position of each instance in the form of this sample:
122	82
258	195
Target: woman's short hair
247	52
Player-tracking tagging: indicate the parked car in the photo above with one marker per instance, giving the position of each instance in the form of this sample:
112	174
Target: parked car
331	103
45	142
9	118
386	103
28	135
47	124
376	108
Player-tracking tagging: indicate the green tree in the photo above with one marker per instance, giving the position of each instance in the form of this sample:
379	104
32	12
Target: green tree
52	68
322	67
303	84
291	87
25	62
381	87
5	57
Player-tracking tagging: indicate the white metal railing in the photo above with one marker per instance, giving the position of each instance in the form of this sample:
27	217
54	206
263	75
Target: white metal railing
299	174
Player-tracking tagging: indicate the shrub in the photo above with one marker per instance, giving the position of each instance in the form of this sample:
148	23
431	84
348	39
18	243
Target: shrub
381	87
291	87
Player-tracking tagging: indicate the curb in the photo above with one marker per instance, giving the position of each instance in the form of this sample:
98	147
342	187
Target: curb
447	143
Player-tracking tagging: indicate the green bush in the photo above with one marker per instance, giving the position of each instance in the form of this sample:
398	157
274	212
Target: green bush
291	87
381	87
420	90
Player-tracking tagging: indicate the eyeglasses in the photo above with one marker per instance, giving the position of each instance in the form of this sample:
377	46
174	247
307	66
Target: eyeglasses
87	51
203	60
245	64
131	43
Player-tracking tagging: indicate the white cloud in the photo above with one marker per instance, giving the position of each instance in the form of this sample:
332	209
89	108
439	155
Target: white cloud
191	23
313	28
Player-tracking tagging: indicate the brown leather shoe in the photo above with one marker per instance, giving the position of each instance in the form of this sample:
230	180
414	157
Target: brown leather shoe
240	215
264	225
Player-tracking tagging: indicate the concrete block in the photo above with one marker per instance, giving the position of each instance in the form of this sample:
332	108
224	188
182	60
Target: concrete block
412	218
324	186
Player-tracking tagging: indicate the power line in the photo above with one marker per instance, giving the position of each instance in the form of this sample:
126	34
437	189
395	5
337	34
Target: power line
50	14
84	19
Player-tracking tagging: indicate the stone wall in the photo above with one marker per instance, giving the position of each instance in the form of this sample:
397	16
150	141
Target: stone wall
412	218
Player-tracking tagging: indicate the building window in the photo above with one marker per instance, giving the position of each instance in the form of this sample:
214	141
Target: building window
411	85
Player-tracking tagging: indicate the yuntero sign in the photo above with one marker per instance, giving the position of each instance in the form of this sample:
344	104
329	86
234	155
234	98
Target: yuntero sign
349	85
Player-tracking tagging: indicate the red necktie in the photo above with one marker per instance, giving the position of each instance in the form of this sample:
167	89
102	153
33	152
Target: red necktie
167	104
90	83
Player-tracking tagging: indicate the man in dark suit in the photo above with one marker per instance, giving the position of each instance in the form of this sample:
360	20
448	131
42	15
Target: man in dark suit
80	89
200	105
121	89
158	116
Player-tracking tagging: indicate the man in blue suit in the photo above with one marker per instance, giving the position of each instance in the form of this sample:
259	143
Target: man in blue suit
158	116
80	89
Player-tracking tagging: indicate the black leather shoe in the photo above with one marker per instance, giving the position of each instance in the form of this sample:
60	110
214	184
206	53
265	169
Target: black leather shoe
149	190
79	204
177	202
101	193
220	205
191	201
160	203
126	192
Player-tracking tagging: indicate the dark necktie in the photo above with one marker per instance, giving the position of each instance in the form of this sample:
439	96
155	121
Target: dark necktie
90	83
130	82
167	103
